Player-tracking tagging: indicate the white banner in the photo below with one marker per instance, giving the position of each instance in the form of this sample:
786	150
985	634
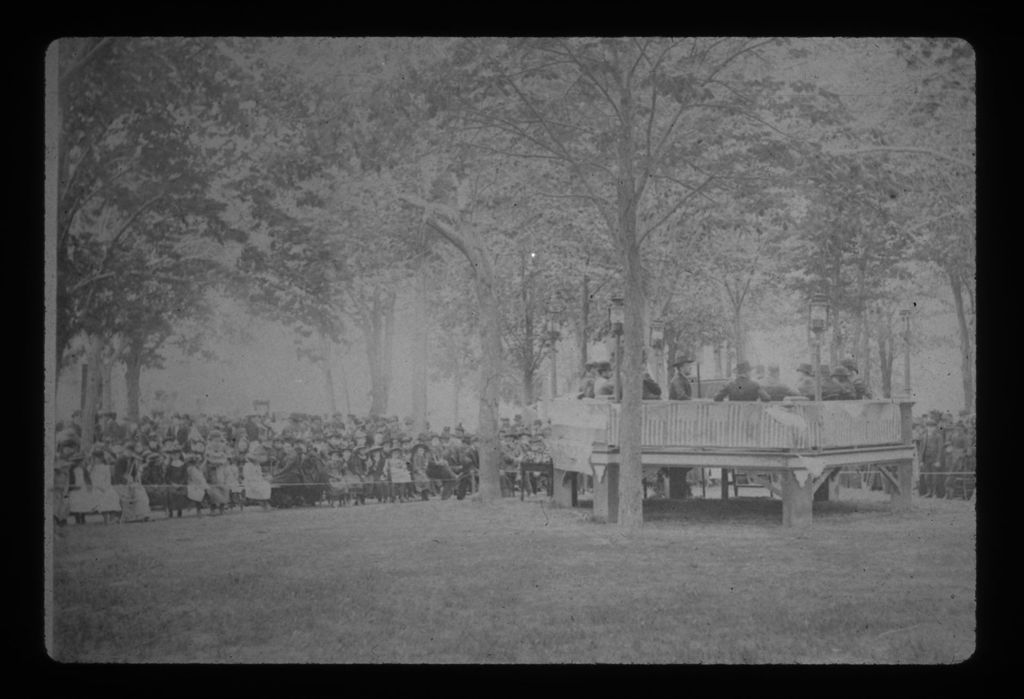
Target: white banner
575	426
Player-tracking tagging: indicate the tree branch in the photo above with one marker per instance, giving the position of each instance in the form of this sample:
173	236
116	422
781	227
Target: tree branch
82	61
906	149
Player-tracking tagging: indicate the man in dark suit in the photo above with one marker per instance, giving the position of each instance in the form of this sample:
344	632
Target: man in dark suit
680	388
859	387
743	388
843	389
932	478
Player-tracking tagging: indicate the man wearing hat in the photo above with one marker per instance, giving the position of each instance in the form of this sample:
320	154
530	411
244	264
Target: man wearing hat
805	384
680	388
354	458
586	387
742	388
439	468
859	387
604	384
418	467
932	482
375	472
176	477
831	389
774	387
843	389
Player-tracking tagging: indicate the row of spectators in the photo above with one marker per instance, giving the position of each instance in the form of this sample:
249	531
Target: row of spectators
179	463
946	448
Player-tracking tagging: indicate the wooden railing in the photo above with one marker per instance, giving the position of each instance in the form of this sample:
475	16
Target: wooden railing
755	425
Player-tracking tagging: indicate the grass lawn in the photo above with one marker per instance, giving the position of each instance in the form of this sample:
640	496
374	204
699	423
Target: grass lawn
452	582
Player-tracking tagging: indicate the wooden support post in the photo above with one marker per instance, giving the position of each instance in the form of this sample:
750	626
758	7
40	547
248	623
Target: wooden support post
564	484
828	488
900	497
612	481
576	488
606	495
725	484
601	497
797	501
677	486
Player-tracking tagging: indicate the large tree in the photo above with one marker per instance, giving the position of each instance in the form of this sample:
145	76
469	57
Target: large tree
145	128
631	123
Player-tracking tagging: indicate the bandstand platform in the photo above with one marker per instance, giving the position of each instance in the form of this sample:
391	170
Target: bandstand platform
796	447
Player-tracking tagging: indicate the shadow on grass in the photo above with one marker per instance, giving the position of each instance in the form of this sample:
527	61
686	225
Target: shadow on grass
748	510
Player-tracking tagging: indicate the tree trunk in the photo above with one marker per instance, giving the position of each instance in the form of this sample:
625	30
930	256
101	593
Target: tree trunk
389	347
422	329
738	337
457	386
865	363
528	380
584	319
133	382
491	354
344	388
379	332
966	359
325	365
94	349
526	351
631	515
835	346
885	357
490	380
106	384
631	494
374	355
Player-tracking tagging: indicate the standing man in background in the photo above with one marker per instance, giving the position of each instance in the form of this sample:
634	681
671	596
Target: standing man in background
680	388
932	483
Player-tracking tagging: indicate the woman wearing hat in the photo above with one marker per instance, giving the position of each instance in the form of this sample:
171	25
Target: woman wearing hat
134	499
105	499
233	480
80	500
215	472
197	485
67	456
398	476
254	481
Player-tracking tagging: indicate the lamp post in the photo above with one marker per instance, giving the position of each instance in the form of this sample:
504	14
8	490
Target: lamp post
817	321
657	342
905	315
616	318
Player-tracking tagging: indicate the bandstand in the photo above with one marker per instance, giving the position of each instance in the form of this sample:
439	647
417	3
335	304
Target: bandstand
799	446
